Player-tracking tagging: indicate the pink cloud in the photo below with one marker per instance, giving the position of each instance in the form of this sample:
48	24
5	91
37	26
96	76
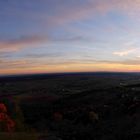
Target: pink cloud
67	14
18	44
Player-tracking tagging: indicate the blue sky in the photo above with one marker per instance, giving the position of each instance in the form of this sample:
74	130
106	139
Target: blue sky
69	36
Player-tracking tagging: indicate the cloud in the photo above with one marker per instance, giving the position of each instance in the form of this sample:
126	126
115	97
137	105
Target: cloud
125	52
67	14
53	65
43	55
20	43
126	62
6	64
61	12
131	62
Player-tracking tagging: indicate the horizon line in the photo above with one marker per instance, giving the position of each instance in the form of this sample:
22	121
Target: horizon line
53	73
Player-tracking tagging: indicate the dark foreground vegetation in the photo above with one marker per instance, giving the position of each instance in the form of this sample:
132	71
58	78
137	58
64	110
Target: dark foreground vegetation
95	106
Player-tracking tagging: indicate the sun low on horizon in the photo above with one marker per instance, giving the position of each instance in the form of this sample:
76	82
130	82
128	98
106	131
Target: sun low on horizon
52	36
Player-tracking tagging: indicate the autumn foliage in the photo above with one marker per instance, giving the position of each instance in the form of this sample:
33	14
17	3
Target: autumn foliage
6	123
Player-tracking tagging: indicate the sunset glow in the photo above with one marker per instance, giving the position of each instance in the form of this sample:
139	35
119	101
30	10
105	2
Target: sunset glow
52	36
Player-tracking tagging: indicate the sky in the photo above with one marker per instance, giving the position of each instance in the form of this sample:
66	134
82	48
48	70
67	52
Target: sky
52	36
